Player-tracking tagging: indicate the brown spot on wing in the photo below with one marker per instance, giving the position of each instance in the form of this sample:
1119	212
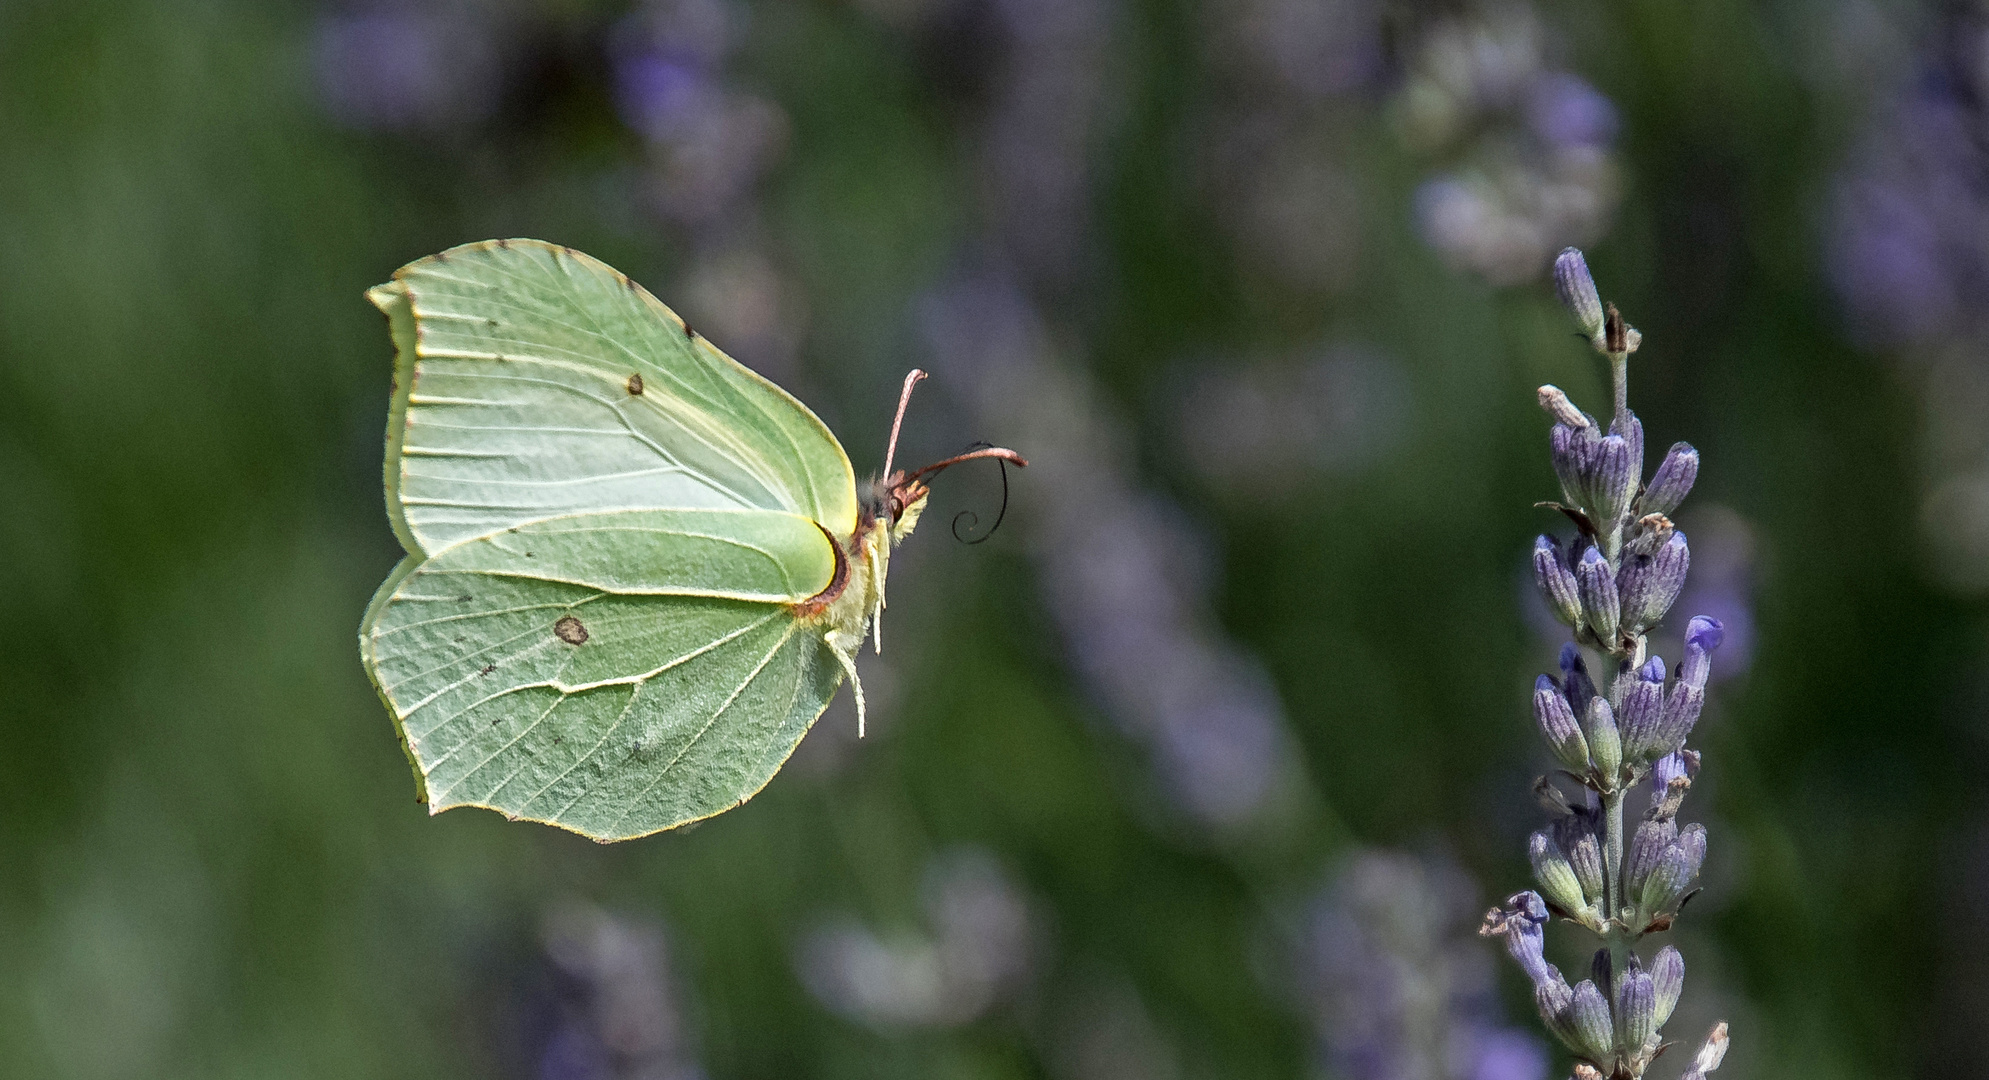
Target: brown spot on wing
570	630
635	385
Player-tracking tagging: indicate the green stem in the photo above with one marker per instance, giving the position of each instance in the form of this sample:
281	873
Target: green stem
1619	371
1612	854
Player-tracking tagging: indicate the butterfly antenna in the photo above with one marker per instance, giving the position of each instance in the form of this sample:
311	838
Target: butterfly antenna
904	399
972	519
1001	452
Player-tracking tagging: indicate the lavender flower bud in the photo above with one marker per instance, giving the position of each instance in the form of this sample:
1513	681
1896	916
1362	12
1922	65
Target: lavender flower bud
1672	482
1556	402
1643	711
1647	849
1600	605
1556	1002
1636	1013
1674	872
1554	873
1576	288
1612	481
1681	711
1574	678
1557	725
1576	834
1635	437
1556	581
1605	746
1668	981
1602	968
1650	583
1584	1071
1594	1031
1574	453
1692	842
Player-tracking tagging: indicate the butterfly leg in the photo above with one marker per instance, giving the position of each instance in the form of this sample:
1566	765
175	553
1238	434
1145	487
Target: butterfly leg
847	659
878	571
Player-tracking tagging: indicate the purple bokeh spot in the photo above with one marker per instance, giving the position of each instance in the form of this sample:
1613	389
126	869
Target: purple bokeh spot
1504	1054
1565	111
652	91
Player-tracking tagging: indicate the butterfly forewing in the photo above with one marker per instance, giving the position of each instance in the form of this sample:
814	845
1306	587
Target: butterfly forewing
543	382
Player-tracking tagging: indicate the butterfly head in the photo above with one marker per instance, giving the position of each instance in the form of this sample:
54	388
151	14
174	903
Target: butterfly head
893	503
896	499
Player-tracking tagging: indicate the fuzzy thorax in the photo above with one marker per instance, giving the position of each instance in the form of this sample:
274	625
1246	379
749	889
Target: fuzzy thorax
854	602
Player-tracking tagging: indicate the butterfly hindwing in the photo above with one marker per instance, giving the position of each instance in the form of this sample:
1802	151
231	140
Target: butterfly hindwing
533	381
614	674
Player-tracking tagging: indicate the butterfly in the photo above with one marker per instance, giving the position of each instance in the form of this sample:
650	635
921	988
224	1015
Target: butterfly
636	571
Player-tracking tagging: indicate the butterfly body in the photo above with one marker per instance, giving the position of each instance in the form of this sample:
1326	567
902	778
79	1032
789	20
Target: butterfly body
636	571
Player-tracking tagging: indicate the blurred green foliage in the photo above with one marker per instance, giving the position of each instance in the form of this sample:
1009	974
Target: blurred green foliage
211	863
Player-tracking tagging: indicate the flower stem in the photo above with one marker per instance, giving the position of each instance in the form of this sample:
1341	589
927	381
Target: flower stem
1612	856
1619	371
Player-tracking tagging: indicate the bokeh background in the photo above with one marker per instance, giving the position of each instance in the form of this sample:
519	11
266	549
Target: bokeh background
1204	764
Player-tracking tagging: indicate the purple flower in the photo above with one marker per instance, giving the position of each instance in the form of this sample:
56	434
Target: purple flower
1613	481
1636	1012
1673	480
1576	287
1600	604
1574	678
1701	638
1667	981
1558	726
1590	1022
1643	710
1574	451
1649	584
1556	581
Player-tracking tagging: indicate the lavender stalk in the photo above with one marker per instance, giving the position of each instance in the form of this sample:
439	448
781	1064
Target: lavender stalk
1612	583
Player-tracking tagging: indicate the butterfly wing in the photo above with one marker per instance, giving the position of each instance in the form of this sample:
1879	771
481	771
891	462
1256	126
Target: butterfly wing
609	523
615	673
532	381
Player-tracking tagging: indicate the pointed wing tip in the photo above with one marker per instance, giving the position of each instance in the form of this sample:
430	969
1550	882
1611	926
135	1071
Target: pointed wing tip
387	295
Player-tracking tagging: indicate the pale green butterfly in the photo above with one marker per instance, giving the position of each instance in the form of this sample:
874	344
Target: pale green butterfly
636	571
